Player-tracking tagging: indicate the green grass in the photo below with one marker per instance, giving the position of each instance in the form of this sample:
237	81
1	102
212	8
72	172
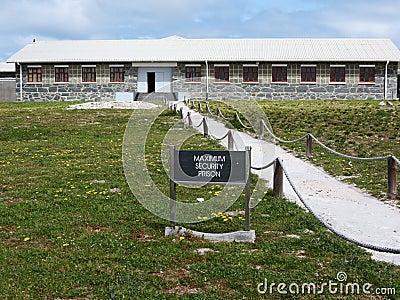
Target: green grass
357	128
71	229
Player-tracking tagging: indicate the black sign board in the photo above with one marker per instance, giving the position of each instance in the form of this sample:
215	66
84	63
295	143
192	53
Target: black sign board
209	166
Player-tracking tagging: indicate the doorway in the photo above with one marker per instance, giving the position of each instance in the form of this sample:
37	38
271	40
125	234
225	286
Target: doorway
151	82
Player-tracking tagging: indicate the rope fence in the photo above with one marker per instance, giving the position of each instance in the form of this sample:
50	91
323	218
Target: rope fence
393	161
329	227
279	172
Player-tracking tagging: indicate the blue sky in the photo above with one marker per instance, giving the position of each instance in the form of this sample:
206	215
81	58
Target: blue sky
23	20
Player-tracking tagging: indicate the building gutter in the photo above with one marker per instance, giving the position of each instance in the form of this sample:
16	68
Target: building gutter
386	79
20	81
206	80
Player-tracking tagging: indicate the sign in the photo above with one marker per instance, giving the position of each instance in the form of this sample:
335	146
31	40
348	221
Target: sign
209	166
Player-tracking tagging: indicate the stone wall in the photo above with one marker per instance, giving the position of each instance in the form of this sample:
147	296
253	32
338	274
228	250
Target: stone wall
293	89
101	90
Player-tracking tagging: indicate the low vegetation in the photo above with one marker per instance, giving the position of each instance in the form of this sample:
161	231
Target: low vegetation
70	228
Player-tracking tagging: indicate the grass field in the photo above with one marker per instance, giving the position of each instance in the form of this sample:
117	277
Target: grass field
71	229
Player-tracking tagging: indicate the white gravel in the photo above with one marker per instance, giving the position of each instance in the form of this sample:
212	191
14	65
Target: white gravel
113	105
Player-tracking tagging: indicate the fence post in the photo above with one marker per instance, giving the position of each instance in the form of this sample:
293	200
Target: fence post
175	107
247	190
309	146
205	127
262	128
199	106
230	140
189	119
181	112
278	179
392	178
218	112
207	109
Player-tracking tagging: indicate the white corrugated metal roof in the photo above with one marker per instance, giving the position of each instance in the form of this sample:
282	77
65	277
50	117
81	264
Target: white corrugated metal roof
6	67
180	49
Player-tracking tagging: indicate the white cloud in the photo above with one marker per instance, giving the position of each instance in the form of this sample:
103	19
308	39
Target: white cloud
364	19
21	20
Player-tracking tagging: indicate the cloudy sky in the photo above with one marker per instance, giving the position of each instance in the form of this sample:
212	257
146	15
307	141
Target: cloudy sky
23	20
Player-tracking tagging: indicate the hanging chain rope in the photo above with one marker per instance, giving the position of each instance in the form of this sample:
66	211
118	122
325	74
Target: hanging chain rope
197	126
241	123
216	138
347	156
349	239
281	140
219	114
264	167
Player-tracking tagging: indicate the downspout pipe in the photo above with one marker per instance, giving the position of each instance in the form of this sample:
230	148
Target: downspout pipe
20	81
386	80
206	80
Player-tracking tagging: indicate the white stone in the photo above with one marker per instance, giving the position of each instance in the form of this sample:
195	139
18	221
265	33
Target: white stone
236	236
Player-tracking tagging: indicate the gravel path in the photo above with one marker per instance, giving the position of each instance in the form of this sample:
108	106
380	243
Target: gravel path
346	208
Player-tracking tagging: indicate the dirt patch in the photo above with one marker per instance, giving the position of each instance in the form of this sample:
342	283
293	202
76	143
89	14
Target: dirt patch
12	242
94	228
183	290
173	275
13	201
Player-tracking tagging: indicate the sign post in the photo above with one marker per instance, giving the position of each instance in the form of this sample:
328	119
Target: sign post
247	189
172	187
210	167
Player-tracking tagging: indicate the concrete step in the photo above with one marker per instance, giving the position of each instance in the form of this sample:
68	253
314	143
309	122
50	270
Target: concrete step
155	97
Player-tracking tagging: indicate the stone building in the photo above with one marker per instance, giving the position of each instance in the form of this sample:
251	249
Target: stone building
207	68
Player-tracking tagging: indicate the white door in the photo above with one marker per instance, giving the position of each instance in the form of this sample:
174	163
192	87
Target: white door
163	79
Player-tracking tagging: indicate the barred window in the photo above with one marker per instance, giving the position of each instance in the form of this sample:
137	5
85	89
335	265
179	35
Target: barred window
61	74
88	74
308	74
279	74
222	74
35	74
250	74
367	74
193	74
337	74
117	74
